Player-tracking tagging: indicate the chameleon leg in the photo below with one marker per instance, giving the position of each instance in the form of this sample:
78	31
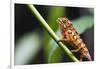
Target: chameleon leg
62	40
75	50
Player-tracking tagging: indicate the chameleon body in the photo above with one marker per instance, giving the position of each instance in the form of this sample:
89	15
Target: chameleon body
70	35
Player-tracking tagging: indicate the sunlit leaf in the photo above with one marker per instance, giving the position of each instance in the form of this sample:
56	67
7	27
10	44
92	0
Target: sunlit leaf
83	23
26	48
55	53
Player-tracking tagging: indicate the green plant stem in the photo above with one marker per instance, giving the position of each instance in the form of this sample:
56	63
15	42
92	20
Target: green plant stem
50	31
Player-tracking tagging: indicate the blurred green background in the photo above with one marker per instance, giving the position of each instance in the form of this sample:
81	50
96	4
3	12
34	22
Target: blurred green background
33	45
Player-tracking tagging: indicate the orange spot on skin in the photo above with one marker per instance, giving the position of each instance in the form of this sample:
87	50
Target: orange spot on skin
79	40
68	32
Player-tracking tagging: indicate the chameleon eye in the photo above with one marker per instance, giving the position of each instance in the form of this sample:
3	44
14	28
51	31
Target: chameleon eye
64	20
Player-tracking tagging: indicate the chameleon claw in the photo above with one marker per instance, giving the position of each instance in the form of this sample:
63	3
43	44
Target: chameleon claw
76	50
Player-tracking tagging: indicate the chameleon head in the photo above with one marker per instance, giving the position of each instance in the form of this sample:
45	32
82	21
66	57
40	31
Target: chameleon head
64	22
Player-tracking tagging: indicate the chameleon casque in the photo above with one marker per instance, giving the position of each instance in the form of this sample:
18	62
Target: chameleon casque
70	35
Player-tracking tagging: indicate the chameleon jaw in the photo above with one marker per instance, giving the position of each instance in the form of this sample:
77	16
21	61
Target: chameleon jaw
59	20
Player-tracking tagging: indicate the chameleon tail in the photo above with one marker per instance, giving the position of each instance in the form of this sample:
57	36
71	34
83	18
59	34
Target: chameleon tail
88	57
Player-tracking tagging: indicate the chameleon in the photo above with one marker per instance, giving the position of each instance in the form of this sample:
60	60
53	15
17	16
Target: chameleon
70	35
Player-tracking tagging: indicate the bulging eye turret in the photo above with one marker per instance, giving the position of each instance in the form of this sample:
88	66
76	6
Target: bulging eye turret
64	20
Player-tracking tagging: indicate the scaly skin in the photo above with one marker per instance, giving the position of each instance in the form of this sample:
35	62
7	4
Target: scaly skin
69	34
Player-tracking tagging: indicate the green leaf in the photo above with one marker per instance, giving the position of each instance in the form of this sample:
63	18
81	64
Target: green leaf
54	13
55	52
27	47
83	23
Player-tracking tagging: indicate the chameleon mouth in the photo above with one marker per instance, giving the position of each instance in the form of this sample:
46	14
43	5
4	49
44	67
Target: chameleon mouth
59	20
